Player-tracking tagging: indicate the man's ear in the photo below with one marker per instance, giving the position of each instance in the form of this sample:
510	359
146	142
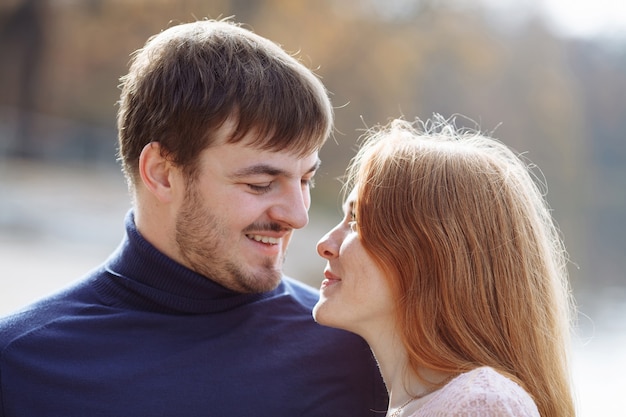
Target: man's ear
155	171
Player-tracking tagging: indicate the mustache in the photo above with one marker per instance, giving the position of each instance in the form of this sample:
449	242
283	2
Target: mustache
266	227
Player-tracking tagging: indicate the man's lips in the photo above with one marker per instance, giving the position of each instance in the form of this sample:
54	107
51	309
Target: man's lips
270	240
270	235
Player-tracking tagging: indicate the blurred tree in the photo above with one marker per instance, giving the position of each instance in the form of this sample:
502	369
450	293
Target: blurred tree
22	48
600	70
562	104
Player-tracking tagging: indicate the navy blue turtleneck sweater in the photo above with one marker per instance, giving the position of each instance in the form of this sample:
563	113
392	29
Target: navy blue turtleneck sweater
144	336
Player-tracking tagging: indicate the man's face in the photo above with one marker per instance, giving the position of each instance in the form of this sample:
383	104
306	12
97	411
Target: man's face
236	218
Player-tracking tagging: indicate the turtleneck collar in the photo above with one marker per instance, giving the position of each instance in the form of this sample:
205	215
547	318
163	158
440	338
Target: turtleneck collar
141	277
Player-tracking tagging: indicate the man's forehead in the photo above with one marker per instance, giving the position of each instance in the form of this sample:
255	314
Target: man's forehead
253	138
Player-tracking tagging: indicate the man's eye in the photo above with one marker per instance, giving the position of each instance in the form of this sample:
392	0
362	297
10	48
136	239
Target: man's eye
260	188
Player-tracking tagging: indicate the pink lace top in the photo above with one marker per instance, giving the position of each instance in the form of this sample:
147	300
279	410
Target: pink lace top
482	392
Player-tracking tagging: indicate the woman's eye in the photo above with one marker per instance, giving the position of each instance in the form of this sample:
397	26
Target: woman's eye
309	182
260	188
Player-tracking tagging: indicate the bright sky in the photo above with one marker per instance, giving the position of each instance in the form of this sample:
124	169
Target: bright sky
582	18
572	18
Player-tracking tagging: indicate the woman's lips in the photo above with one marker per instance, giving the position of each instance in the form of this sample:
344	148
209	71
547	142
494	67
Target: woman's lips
330	279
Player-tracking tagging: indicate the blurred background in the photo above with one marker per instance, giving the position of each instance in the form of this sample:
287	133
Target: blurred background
547	77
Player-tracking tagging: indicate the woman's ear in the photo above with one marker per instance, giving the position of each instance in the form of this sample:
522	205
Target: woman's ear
155	171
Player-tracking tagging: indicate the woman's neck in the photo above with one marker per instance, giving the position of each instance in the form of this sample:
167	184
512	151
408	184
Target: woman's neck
392	359
401	381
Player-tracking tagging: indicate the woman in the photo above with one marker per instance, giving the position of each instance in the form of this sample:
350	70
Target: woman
448	264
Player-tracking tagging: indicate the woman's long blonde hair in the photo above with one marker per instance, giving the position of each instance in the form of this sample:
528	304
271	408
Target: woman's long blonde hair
462	229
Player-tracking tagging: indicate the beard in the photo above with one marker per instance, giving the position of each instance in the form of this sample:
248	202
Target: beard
204	245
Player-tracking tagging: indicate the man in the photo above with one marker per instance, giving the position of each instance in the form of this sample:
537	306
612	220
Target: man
219	132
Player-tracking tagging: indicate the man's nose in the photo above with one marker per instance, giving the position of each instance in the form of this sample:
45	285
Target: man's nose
292	209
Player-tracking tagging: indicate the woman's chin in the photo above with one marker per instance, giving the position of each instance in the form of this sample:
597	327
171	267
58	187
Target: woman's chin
323	315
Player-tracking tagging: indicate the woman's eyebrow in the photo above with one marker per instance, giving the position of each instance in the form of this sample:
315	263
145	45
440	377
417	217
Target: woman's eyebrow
348	207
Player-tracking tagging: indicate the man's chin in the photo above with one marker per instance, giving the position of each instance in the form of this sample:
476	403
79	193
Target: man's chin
261	280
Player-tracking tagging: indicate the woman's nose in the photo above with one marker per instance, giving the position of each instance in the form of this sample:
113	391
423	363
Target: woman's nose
328	246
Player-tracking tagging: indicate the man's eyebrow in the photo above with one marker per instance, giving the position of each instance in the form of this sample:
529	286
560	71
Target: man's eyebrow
266	169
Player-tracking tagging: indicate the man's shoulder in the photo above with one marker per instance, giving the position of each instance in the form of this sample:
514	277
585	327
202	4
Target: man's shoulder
302	293
40	313
304	297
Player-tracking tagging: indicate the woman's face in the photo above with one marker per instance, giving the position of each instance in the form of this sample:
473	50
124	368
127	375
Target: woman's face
355	295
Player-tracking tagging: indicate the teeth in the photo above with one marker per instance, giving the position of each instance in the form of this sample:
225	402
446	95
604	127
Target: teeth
265	239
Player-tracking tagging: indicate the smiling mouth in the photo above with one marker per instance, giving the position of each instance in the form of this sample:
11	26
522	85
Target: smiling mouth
268	240
329	281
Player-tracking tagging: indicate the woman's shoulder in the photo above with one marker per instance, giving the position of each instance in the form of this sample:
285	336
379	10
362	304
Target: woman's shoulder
483	392
486	380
